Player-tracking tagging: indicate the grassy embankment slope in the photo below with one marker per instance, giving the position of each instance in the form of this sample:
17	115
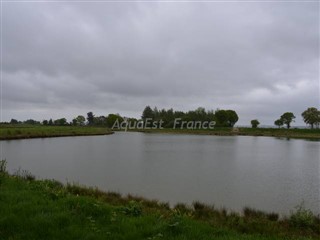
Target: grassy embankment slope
46	209
272	132
20	131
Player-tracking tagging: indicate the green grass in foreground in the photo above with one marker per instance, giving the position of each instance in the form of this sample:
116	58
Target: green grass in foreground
31	131
46	209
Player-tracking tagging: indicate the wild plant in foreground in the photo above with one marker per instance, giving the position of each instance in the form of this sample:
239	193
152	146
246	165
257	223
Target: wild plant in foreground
3	166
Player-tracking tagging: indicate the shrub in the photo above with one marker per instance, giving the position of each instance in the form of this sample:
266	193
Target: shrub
175	224
273	216
202	210
254	214
182	208
3	166
133	209
164	205
24	174
302	217
198	206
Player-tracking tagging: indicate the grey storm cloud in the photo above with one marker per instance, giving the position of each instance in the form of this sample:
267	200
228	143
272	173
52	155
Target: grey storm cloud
67	58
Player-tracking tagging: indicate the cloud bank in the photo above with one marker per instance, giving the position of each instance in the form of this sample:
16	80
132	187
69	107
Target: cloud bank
61	59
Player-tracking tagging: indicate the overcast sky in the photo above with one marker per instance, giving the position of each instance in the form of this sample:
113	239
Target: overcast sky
62	59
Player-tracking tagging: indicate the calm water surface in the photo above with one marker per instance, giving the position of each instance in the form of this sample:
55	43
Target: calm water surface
261	172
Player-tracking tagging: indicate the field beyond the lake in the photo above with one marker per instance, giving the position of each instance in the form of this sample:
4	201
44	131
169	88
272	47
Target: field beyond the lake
21	131
47	209
245	131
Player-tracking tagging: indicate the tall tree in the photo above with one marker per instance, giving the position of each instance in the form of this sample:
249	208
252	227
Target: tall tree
156	113
227	118
147	113
232	118
80	120
100	121
31	121
201	114
14	121
60	122
278	122
221	117
255	123
311	116
74	122
287	118
112	118
90	118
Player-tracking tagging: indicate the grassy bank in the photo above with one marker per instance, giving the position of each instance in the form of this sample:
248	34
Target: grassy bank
272	132
46	209
21	131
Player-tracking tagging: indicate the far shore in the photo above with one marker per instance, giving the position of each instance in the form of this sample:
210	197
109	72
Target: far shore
11	132
257	132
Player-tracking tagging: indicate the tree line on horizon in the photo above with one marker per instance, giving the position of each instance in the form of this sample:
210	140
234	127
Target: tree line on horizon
311	117
223	118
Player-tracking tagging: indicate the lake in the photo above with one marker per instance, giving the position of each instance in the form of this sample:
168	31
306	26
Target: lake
266	173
